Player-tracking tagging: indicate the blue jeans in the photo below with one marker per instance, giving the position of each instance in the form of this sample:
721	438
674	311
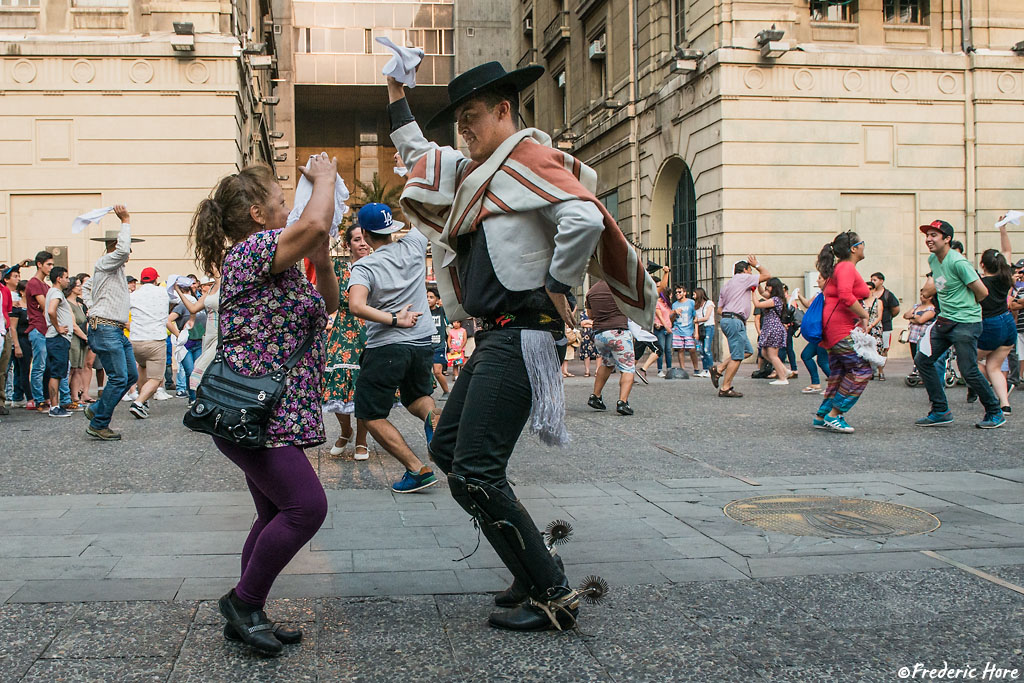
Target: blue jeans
185	367
707	359
118	359
808	356
664	347
38	340
964	337
790	350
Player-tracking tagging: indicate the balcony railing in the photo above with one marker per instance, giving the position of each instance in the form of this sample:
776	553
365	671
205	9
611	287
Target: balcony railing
556	32
529	58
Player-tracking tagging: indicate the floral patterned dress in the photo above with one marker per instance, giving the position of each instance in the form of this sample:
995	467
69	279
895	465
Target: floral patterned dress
264	318
344	346
773	332
587	348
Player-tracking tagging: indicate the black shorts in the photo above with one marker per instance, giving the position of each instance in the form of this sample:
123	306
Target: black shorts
58	350
383	369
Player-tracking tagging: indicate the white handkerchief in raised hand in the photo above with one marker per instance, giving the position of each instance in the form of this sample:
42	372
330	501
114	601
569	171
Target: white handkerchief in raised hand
402	66
86	219
1011	217
303	192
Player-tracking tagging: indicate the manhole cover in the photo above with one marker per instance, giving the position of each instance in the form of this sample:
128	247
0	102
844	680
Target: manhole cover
828	516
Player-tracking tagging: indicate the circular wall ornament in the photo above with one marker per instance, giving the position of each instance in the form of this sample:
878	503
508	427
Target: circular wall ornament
853	81
197	72
754	78
140	72
705	86
83	71
1007	82
900	82
947	83
803	79
689	95
23	71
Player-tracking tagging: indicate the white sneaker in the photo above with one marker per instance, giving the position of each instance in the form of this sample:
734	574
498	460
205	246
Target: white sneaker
161	395
130	396
779	382
661	373
19	404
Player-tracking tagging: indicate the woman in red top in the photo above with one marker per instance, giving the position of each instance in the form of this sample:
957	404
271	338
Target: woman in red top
844	288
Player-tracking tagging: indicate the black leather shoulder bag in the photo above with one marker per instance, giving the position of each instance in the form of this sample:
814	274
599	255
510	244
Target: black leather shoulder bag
236	407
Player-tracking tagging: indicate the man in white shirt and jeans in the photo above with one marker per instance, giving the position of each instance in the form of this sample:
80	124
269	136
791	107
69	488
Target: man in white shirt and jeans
60	325
148	335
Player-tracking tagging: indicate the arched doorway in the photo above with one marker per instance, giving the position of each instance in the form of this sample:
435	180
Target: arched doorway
683	233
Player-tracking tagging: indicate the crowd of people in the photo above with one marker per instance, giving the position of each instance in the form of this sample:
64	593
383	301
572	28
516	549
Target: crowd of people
355	336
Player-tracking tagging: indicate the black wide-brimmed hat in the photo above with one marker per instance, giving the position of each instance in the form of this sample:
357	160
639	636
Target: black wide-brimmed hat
489	76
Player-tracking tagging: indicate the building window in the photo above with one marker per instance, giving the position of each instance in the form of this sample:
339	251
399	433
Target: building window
597	51
834	10
904	11
19	3
561	95
88	3
433	41
679	21
611	202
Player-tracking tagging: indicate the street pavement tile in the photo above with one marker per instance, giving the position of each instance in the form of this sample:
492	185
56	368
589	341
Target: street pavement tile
1013	474
167	543
645	549
851	600
114	670
483	580
62	502
444	517
285	610
699	545
27	630
1013	512
171	566
43	546
764	567
617	573
948	590
969	638
319	562
126	522
485	653
55	567
636	635
86	590
123	629
990	557
405	560
697	569
207	657
33	526
9	588
343	538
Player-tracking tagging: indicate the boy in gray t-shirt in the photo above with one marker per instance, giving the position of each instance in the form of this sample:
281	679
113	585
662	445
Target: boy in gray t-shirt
388	290
60	327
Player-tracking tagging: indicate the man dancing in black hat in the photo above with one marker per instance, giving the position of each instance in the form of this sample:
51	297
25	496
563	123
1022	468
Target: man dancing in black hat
512	229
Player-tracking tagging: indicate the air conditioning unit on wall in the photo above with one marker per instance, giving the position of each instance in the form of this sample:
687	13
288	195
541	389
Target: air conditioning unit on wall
528	25
597	49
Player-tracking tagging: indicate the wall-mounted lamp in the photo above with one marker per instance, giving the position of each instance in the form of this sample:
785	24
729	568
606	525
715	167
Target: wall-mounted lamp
770	42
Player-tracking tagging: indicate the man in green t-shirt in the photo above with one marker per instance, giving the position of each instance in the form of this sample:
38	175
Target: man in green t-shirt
959	291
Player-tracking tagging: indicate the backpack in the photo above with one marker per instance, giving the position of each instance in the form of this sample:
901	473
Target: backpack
788	315
811	324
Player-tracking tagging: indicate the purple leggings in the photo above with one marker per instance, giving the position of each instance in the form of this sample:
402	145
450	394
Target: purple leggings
290	507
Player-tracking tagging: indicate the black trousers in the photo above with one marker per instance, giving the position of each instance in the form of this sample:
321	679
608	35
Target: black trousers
479	426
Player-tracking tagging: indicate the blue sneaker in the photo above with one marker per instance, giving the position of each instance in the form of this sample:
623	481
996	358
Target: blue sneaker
838	424
57	411
413	481
993	421
818	422
935	419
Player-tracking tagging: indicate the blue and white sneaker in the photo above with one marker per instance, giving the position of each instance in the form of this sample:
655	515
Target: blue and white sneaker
428	427
993	421
819	422
414	481
838	424
57	411
935	419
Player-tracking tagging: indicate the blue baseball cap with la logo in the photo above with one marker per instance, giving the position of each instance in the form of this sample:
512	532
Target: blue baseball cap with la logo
377	218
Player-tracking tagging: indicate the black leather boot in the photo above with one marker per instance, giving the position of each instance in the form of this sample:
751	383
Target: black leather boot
558	613
287	636
251	625
517	593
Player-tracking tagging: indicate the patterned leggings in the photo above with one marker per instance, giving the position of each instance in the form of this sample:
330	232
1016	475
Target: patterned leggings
849	376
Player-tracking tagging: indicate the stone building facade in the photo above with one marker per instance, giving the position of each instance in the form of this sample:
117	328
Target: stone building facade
708	130
133	101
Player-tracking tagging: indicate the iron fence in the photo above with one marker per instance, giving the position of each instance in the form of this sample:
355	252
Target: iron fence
688	264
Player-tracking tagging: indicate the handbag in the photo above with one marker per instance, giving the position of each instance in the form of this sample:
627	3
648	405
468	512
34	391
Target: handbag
236	407
904	336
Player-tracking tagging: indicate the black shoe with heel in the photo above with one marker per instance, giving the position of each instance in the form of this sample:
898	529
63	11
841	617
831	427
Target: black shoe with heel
250	623
287	636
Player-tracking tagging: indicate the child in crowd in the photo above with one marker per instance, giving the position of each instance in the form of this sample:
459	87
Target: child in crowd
919	316
684	336
456	347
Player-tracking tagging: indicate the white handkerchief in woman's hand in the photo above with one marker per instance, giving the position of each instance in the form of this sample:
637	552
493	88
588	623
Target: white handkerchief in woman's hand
402	66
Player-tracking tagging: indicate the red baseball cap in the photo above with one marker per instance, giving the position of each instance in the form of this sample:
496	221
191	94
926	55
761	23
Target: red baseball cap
149	275
942	226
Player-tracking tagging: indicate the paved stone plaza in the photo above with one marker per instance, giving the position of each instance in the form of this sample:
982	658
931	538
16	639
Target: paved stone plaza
112	554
